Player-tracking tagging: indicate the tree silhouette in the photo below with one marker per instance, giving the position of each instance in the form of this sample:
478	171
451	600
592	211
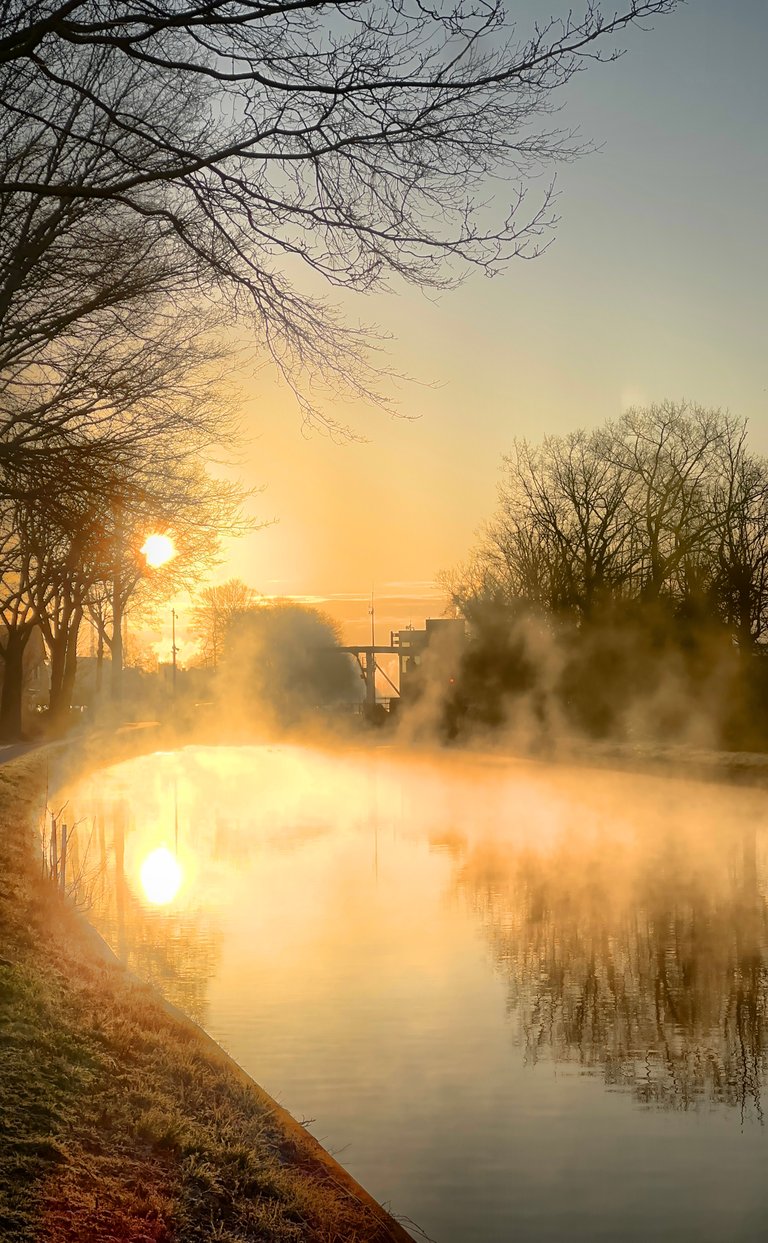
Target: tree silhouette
212	612
254	143
620	587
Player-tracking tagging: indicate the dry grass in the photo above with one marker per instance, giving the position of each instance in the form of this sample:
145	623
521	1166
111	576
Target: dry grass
117	1121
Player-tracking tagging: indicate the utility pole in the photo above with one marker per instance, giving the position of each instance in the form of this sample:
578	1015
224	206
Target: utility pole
117	608
173	646
370	664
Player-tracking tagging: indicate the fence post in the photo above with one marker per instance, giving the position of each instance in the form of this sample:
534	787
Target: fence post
54	851
63	868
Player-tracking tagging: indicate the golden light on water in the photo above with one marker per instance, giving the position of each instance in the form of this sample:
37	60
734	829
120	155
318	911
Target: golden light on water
158	549
161	876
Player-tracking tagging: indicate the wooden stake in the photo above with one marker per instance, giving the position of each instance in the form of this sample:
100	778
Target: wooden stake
63	869
54	851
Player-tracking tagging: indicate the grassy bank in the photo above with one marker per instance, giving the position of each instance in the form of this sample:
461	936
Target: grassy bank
118	1120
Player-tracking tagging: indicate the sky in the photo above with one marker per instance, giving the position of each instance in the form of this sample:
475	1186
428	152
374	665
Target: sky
654	286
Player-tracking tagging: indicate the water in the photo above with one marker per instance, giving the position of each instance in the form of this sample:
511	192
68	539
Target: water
516	1001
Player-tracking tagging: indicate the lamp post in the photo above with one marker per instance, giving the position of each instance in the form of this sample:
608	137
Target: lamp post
117	609
173	647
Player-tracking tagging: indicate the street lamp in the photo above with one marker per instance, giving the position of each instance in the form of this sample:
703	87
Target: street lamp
173	648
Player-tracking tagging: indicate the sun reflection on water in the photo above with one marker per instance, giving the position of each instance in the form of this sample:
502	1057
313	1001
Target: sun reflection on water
161	876
549	945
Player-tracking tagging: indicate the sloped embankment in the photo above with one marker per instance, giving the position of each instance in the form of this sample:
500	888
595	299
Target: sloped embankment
119	1120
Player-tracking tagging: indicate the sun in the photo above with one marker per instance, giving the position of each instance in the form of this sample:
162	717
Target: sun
158	549
161	876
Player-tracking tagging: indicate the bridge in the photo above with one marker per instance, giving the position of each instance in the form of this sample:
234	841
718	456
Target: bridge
365	655
409	646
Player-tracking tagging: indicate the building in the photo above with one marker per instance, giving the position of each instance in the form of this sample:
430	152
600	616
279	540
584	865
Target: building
439	645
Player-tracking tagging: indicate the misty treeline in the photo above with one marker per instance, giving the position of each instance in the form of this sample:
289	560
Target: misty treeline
270	663
621	587
176	181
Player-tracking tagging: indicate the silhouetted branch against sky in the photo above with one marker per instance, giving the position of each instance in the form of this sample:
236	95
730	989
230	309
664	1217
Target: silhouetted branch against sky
357	142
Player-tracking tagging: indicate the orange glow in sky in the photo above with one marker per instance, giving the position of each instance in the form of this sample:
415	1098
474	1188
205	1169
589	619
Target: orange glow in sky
638	299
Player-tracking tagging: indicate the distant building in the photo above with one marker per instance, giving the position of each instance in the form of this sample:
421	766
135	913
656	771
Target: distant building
443	638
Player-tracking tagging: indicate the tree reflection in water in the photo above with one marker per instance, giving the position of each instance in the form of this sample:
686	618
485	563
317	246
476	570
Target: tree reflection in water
175	947
627	914
639	960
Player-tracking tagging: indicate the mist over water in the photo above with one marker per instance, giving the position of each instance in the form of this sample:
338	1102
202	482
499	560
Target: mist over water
483	979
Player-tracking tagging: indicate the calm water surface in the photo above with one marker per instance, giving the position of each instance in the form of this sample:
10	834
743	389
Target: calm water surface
517	1002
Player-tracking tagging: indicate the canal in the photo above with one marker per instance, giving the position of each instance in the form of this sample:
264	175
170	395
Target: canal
514	1000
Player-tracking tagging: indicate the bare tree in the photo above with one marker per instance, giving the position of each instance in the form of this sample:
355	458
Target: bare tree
72	542
18	615
101	325
621	560
671	453
664	504
267	141
562	524
87	359
178	500
740	561
212	612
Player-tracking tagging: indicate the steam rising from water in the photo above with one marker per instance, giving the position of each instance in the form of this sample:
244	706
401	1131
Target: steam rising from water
380	936
626	914
536	687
